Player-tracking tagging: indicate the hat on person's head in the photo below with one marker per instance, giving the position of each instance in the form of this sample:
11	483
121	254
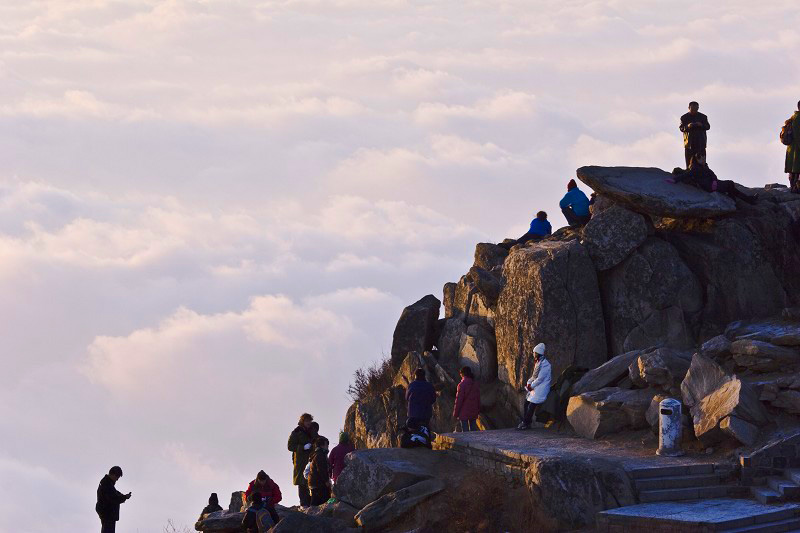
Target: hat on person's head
115	471
539	349
261	475
213	499
571	185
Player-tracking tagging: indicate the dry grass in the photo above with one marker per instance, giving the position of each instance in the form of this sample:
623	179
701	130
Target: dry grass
371	381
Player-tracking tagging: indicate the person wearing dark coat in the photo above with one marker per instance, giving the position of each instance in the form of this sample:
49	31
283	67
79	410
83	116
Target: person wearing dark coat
319	475
268	491
300	444
213	505
338	453
792	166
258	515
702	177
694	126
420	398
468	401
109	500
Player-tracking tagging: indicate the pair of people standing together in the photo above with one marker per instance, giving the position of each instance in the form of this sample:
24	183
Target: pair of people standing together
421	396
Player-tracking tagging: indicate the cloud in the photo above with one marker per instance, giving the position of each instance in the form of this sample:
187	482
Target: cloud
505	105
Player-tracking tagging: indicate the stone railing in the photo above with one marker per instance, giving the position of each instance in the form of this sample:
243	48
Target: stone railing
510	465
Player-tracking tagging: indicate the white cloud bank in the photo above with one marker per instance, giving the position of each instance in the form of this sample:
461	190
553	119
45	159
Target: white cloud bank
212	213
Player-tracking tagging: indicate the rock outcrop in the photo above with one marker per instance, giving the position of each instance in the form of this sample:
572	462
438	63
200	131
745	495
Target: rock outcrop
415	331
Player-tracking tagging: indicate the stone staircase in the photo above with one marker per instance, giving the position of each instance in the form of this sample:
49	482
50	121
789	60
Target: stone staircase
779	488
688	482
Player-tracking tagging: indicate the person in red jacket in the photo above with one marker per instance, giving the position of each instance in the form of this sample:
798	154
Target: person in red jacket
269	492
338	453
468	401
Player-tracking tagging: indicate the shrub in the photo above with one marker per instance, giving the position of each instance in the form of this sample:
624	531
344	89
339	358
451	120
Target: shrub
370	381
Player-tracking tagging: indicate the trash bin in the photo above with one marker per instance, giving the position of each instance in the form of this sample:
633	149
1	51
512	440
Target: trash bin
670	428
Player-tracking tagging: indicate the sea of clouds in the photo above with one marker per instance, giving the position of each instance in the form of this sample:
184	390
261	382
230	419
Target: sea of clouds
212	212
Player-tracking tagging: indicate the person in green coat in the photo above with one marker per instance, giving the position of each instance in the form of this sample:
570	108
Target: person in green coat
300	444
793	153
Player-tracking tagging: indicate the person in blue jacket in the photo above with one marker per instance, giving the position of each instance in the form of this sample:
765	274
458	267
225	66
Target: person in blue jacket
420	398
575	205
540	228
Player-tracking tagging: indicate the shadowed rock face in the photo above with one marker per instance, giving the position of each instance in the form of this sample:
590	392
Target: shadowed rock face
645	190
416	329
551	296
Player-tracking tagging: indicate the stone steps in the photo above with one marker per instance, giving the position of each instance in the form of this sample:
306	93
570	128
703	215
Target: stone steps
684	482
677	482
777	489
778	526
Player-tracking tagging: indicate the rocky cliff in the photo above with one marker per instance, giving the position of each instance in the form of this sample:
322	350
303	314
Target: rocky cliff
659	270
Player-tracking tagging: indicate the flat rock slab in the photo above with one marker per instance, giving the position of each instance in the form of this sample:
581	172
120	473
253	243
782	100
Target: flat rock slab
722	513
646	191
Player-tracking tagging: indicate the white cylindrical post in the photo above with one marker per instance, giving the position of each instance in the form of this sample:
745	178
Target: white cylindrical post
670	428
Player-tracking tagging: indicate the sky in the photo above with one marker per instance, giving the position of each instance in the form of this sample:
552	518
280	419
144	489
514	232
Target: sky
212	212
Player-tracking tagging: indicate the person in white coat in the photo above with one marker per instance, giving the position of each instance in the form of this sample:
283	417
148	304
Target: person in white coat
537	386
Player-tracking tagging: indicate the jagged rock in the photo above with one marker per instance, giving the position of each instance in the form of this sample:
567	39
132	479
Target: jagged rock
732	398
703	377
238	502
716	347
449	342
221	522
651	299
762	356
788	400
609	410
405	374
601	203
607	374
389	507
735	427
489	256
339	510
297	522
571	490
472	305
369	474
661	368
415	330
486	284
478	351
373	422
448	299
550	296
645	190
777	332
613	234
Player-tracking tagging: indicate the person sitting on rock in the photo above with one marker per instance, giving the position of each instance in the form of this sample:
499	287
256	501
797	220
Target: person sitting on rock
468	401
212	507
338	453
702	177
260	516
575	205
319	476
694	126
420	398
539	229
414	435
537	387
299	444
268	490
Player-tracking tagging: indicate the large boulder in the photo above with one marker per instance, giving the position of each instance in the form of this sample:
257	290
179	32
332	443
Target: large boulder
646	190
703	377
478	350
390	507
607	374
487	284
221	522
783	332
609	410
760	356
661	368
613	234
489	256
373	422
733	398
338	510
551	296
297	522
416	329
651	299
369	474
718	347
449	342
472	305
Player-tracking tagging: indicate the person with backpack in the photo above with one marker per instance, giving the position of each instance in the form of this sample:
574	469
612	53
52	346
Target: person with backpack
338	453
260	516
109	500
537	387
420	398
468	401
268	491
319	475
790	136
575	206
694	126
300	444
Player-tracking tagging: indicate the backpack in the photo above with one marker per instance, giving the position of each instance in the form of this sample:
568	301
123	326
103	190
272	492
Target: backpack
263	520
787	132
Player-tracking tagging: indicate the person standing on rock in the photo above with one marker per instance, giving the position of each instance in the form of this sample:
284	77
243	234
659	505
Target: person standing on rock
468	401
109	500
539	229
694	126
420	398
319	478
575	205
268	491
300	445
790	136
338	453
537	386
